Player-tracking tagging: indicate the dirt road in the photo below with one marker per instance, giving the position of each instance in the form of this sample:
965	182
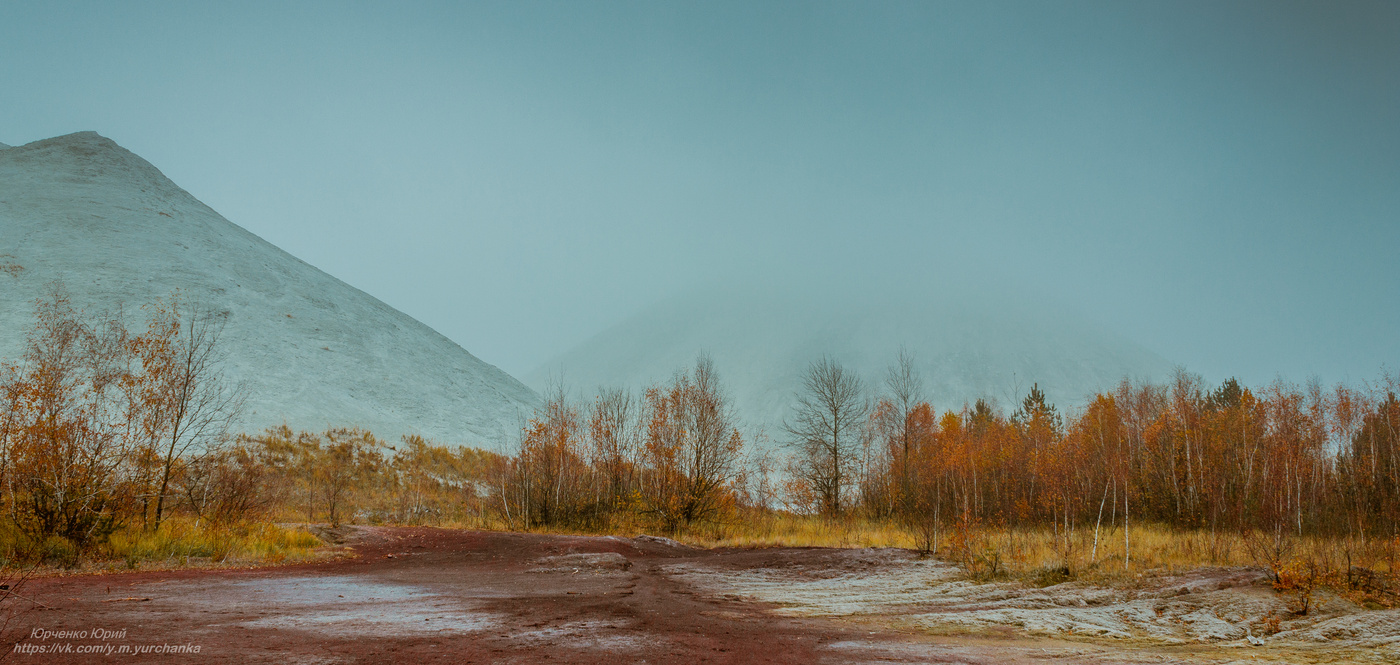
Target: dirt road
419	595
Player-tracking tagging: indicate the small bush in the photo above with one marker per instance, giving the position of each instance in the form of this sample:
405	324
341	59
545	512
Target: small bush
1301	580
59	551
1052	575
1271	624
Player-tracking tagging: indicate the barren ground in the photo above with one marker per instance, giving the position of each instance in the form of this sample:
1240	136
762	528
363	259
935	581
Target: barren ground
424	595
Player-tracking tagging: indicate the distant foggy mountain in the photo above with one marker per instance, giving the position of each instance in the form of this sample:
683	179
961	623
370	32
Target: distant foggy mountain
313	350
762	339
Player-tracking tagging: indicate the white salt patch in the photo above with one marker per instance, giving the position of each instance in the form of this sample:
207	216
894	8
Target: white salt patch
601	635
1209	605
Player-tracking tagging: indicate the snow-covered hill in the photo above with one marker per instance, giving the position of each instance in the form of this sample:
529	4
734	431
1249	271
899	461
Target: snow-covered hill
313	350
763	338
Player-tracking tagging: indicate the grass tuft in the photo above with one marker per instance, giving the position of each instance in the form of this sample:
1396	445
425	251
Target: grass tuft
181	541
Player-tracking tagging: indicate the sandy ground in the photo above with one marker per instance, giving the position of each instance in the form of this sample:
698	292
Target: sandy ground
418	595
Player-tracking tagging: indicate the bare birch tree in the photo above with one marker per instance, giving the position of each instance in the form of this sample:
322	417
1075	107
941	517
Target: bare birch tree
613	433
825	431
904	388
190	406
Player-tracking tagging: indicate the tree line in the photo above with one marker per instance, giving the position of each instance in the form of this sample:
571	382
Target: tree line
102	427
1275	462
1279	462
97	422
674	456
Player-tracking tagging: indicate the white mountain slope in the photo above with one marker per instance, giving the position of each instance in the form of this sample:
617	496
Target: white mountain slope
762	340
314	351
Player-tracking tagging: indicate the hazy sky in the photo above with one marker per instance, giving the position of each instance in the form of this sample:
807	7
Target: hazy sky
1217	181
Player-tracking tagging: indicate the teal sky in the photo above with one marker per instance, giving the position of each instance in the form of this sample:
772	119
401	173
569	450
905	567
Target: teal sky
1217	181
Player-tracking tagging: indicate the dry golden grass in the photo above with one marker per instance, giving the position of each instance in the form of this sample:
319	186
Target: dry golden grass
179	543
1043	555
788	530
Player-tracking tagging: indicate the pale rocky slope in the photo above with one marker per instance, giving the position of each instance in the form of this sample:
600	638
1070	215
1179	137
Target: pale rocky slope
313	351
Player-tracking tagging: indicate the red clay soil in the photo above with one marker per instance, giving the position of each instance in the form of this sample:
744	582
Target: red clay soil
421	595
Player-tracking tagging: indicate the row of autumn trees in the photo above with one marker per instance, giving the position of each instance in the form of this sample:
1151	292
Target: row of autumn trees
674	456
97	423
104	428
1282	460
